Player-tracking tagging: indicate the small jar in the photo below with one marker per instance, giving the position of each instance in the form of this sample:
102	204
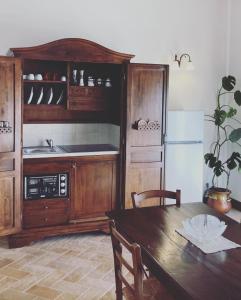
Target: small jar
99	82
91	81
108	83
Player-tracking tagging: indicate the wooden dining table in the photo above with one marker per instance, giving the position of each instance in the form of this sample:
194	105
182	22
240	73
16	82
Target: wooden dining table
185	270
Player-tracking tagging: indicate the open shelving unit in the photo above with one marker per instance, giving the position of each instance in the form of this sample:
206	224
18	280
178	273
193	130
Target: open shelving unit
98	103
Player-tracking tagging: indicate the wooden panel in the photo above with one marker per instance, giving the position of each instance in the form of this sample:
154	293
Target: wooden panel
6	164
146	156
59	114
145	101
7	203
10	146
7	103
93	189
141	179
38	166
144	151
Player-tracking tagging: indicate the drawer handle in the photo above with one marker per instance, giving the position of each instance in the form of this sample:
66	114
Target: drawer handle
46	207
46	219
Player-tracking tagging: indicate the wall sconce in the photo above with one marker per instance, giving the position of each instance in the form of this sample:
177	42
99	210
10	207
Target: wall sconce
184	62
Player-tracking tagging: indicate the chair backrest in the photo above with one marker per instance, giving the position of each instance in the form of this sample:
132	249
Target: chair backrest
136	269
137	199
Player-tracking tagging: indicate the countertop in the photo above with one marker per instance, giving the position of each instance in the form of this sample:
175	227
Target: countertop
75	150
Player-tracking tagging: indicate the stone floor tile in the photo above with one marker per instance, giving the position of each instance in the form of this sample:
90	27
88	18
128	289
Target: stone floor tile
67	296
12	294
14	273
53	277
5	261
44	292
7	282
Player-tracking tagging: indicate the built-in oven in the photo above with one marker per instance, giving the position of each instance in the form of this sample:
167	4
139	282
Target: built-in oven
46	186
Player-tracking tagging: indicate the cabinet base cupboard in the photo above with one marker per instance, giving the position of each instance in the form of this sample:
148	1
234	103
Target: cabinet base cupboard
131	96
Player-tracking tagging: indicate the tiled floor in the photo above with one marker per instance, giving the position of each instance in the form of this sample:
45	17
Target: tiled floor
62	268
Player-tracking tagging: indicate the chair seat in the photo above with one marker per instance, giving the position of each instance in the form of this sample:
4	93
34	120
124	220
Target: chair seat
152	290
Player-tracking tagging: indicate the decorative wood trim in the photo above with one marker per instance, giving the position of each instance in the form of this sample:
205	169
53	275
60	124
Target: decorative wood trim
147	125
5	130
25	237
72	49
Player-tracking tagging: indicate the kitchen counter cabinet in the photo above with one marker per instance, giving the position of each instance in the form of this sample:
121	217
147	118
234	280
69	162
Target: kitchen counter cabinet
93	188
92	192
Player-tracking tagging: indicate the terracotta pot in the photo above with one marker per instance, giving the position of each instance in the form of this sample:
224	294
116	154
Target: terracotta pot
219	199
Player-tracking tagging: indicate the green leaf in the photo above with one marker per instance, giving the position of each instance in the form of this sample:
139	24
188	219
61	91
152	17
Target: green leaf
218	169
228	83
219	116
231	113
207	157
212	162
231	164
237	97
235	135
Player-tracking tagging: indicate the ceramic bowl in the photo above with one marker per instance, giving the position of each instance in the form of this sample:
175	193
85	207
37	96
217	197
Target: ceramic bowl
38	77
30	76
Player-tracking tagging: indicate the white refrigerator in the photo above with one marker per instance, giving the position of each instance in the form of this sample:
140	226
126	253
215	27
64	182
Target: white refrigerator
184	154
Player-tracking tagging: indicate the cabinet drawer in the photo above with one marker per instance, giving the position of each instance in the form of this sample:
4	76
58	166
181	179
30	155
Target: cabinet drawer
90	92
47	219
39	213
87	104
89	98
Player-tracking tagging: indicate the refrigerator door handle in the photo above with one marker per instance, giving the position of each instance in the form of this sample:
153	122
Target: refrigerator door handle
183	142
163	139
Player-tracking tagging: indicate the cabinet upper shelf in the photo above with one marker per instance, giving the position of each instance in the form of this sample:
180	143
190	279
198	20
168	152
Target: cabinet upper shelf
45	81
81	63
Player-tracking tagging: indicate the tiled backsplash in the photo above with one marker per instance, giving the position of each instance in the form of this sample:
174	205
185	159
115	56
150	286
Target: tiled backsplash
70	134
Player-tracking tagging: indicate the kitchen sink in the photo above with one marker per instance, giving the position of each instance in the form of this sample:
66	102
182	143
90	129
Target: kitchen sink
42	150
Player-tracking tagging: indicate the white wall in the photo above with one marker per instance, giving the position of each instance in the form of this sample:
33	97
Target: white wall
153	30
235	69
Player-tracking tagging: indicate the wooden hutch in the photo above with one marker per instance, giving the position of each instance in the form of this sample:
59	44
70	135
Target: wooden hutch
136	101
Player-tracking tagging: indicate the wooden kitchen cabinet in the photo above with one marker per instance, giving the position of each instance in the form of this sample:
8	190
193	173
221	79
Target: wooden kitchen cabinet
93	187
10	145
91	192
135	101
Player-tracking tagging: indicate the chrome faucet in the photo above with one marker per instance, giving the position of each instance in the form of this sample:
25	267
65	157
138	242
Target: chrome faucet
50	142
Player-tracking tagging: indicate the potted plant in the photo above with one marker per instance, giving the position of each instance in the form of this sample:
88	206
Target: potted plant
228	130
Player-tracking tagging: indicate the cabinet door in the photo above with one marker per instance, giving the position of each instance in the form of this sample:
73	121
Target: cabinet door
145	128
94	187
10	145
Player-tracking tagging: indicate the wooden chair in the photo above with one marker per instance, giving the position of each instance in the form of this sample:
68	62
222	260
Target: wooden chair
137	199
148	289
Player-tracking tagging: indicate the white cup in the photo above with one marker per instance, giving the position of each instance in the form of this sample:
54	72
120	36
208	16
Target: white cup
63	78
38	77
30	76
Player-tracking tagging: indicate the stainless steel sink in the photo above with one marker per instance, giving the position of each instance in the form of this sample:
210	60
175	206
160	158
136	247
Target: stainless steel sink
42	150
